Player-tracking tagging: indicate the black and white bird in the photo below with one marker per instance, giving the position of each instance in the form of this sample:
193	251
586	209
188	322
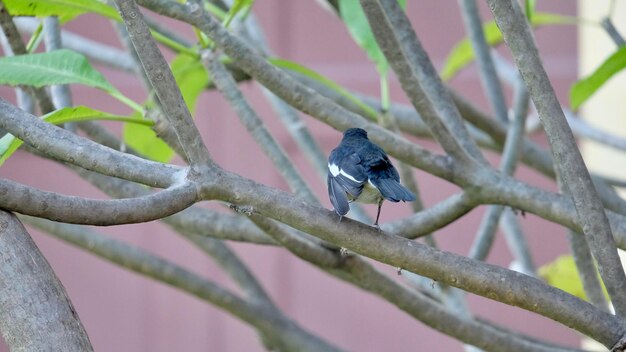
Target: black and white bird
359	170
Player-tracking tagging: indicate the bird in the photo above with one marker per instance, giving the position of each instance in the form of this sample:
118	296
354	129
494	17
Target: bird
359	170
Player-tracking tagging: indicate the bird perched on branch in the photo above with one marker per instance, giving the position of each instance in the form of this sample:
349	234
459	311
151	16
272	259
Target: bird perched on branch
359	170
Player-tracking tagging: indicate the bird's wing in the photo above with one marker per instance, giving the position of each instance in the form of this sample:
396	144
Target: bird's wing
347	172
337	195
385	178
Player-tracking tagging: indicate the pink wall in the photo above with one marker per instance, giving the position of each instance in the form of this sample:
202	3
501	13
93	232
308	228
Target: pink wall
126	312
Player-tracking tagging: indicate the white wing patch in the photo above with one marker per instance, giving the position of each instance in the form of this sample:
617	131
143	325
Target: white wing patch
334	169
348	176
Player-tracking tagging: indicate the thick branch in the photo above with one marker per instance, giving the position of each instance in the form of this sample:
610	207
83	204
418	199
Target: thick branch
164	84
419	79
268	321
297	94
357	271
66	146
431	219
195	219
71	209
467	274
35	312
569	161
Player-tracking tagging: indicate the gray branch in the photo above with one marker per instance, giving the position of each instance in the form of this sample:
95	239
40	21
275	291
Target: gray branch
419	79
160	76
487	70
587	271
297	94
71	209
270	322
35	311
255	126
569	162
66	146
482	279
357	271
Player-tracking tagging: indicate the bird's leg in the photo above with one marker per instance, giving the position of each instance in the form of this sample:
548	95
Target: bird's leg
380	204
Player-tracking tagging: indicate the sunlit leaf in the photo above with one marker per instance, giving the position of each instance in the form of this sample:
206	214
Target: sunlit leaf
562	274
586	87
144	140
56	67
64	9
191	76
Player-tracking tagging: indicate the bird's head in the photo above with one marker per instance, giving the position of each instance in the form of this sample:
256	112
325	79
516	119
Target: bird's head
355	132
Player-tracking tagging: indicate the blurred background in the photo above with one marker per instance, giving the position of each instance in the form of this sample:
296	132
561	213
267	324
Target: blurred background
123	311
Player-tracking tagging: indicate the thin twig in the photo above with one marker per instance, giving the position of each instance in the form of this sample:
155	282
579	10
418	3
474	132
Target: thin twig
60	94
255	126
482	51
587	270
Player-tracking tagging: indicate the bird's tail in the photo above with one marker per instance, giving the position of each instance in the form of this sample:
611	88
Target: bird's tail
393	191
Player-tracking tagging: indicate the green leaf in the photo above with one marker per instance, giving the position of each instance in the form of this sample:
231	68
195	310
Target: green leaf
66	10
562	274
462	53
307	72
9	143
353	16
530	6
145	141
56	67
586	87
240	6
191	76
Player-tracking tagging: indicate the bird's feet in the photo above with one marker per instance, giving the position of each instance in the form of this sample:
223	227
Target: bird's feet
399	271
377	227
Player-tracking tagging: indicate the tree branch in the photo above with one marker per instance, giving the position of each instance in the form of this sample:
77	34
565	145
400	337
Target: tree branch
66	146
569	161
35	312
160	76
30	201
357	271
487	70
255	126
431	219
483	279
270	322
297	94
419	79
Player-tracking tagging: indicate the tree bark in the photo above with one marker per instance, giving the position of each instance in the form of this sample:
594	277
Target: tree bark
35	312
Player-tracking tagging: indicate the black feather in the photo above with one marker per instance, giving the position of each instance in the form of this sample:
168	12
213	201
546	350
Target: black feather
338	196
357	162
